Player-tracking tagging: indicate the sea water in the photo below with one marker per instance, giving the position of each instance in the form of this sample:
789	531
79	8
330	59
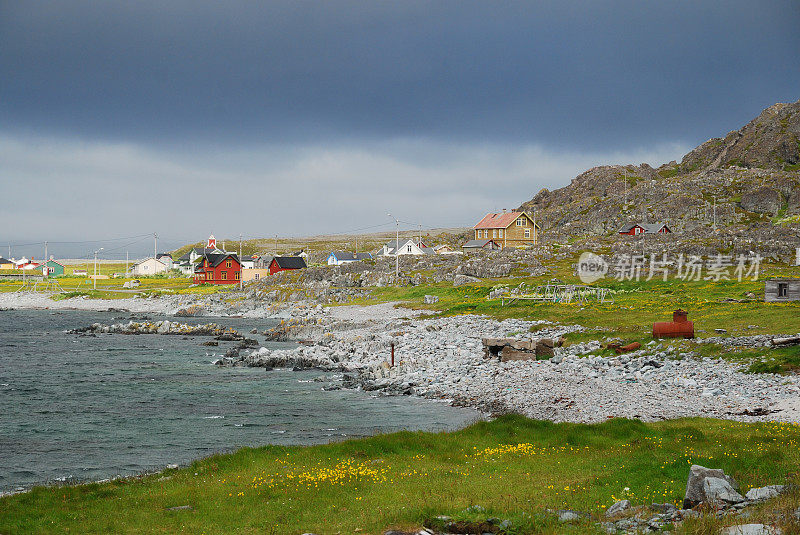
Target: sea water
76	408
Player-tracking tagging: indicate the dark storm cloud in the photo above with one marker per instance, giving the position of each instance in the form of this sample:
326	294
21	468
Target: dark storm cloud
587	75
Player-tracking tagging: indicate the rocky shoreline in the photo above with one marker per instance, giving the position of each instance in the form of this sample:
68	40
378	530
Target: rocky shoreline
443	358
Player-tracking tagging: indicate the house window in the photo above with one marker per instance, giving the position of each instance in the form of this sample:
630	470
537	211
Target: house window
501	232
480	234
409	248
236	275
494	233
228	263
783	289
255	276
208	276
224	275
527	233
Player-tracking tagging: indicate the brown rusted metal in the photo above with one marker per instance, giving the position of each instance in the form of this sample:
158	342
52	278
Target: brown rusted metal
679	327
630	347
392	354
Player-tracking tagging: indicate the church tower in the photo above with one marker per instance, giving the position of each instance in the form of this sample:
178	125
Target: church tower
212	242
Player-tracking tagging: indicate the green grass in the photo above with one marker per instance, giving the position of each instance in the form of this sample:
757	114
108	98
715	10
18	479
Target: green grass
513	467
637	304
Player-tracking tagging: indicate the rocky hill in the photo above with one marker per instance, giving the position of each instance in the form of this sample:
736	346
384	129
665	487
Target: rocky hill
751	177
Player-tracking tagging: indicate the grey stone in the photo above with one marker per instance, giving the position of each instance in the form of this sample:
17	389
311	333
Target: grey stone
460	280
569	516
751	529
717	489
431	299
180	508
695	492
618	508
764	493
664	508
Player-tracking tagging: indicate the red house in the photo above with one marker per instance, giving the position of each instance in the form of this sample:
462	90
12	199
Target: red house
634	229
285	263
218	268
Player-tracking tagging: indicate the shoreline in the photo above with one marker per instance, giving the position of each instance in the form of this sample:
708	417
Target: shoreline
441	358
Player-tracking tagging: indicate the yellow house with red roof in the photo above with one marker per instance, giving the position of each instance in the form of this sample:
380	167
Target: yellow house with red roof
509	229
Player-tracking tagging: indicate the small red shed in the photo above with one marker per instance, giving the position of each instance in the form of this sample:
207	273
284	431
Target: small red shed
218	268
632	229
285	263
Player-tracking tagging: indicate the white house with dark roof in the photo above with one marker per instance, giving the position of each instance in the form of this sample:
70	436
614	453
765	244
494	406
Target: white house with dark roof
405	247
337	258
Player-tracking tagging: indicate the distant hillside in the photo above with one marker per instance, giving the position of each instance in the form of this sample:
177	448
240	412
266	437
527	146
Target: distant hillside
750	176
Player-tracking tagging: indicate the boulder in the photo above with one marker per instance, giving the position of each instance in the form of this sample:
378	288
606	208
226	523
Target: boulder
570	516
695	491
718	490
460	280
431	299
764	493
617	508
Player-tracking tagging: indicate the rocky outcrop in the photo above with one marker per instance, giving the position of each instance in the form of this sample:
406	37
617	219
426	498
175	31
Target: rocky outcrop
770	141
709	485
744	178
764	200
161	327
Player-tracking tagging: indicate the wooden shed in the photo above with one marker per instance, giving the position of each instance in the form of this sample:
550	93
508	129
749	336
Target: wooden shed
778	290
285	263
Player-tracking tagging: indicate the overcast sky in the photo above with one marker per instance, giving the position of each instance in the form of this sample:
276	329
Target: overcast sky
121	119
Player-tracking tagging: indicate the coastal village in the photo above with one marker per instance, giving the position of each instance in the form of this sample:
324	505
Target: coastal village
617	351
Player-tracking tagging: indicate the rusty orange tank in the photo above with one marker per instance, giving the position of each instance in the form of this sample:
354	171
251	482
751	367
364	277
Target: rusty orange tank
679	327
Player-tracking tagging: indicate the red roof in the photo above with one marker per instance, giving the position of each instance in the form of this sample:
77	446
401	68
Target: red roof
502	220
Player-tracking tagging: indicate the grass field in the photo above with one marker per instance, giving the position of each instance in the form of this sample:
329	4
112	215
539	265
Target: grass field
111	288
513	467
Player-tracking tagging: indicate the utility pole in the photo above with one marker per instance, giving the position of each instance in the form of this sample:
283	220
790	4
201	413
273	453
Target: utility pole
95	268
126	263
396	247
276	245
240	262
535	234
46	260
155	246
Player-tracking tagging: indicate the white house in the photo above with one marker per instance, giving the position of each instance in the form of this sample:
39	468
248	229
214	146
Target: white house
149	266
337	258
404	247
166	259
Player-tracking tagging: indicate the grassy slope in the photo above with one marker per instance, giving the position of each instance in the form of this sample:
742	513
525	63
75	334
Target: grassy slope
514	467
